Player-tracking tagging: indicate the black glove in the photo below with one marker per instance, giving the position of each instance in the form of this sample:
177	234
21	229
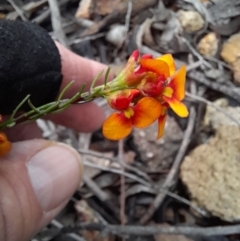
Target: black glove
29	64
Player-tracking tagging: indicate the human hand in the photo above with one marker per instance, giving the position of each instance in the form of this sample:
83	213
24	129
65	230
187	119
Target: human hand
38	177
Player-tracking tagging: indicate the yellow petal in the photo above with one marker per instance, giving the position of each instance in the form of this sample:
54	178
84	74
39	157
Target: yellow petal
146	111
168	92
177	106
178	83
117	127
128	112
170	61
157	66
161	125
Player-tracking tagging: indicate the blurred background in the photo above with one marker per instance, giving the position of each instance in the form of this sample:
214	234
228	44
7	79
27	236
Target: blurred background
190	177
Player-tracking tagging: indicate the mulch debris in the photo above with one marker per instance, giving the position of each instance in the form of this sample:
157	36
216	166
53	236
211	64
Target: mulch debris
157	186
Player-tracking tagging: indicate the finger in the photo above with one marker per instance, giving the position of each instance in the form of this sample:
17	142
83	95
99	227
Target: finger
79	69
83	118
23	132
36	180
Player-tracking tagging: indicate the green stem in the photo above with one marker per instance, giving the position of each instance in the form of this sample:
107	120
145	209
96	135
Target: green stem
61	104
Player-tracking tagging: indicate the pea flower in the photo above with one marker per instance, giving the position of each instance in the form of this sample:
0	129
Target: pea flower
173	83
142	114
128	76
162	120
168	86
140	95
120	100
5	145
155	81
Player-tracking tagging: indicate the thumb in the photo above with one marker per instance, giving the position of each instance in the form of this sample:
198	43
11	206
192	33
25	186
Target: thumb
37	178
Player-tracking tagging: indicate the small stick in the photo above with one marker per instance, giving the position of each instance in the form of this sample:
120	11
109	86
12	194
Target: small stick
146	230
145	183
201	99
18	10
174	169
122	180
56	23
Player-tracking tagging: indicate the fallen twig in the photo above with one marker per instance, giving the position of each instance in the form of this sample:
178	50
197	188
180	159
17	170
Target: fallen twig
201	99
18	10
195	52
127	25
145	230
142	29
145	183
96	154
87	38
56	23
84	142
117	171
114	159
128	16
74	236
122	184
174	169
233	93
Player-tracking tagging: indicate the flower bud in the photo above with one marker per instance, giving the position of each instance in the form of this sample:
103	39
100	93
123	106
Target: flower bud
121	100
129	76
5	145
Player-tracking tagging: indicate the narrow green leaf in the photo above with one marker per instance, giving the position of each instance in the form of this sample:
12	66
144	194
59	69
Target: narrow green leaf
33	107
95	80
106	76
19	106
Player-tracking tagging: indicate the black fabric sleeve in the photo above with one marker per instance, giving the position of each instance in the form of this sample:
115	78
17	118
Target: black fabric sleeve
29	64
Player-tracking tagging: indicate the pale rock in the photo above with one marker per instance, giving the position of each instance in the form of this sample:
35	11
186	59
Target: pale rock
191	21
83	10
230	53
116	34
231	49
236	70
215	119
208	45
211	174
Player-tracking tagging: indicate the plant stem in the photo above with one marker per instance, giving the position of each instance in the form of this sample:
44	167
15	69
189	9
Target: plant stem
60	104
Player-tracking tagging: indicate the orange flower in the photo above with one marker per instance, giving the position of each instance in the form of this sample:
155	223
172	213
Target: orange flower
158	87
173	91
152	85
162	120
128	76
5	145
158	66
119	125
120	100
171	88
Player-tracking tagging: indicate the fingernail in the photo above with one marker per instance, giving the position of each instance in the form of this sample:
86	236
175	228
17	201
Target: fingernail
55	174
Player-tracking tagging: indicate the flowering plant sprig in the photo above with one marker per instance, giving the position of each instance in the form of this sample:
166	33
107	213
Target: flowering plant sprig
141	94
